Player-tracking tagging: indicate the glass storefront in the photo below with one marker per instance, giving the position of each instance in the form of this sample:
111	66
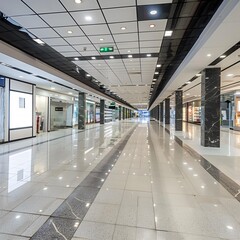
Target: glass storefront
192	112
90	112
1	114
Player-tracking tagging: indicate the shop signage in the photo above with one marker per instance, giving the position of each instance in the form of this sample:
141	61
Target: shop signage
106	49
58	109
2	82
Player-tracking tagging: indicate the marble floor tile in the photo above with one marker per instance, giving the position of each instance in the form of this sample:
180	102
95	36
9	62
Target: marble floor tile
39	205
109	196
124	233
102	231
104	213
12	237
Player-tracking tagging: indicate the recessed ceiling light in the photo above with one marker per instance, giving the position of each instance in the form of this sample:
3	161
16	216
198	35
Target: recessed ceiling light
209	55
159	65
230	75
93	58
123	28
149	55
39	41
53	88
188	82
111	57
76	59
21	76
70	93
78	1
153	12
88	18
222	56
188	94
156	73
154	79
70	32
152	25
129	50
130	56
230	227
101	39
198	74
168	33
88	75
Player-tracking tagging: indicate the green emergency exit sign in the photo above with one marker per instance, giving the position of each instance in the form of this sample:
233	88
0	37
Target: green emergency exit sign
106	49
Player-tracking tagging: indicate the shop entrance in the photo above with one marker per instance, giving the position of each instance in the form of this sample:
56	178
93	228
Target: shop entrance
2	112
61	114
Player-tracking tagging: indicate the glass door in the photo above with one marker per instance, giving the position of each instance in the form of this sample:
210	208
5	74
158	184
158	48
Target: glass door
1	116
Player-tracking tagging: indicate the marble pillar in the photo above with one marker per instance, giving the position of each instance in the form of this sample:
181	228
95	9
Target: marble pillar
123	113
167	111
210	107
120	113
81	110
102	111
161	112
178	110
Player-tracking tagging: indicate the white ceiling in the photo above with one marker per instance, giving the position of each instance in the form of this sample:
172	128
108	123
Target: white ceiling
51	20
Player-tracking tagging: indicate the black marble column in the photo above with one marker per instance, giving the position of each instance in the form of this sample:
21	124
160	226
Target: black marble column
81	110
102	110
161	112
123	113
178	110
210	107
120	113
158	112
167	111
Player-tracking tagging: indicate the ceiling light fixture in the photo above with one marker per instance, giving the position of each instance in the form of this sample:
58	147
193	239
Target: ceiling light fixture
53	88
149	55
156	73
188	82
88	18
78	1
70	32
222	56
123	28
159	65
93	58
101	39
153	12
198	74
88	75
230	75
70	94
130	56
39	41
76	58
209	55
129	50
111	57
168	33
152	25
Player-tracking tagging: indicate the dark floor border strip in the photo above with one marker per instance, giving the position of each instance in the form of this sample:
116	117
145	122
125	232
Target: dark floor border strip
39	143
65	220
232	187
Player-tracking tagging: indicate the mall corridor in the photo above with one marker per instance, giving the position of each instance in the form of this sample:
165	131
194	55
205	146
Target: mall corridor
124	180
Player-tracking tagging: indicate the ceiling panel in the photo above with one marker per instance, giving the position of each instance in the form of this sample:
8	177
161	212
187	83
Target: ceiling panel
90	53
45	6
116	3
77	40
63	31
128	45
62	49
129	27
129	51
150	44
88	17
151	36
58	19
85	5
43	32
55	41
85	47
70	54
31	21
126	37
10	8
120	15
100	39
159	25
95	29
150	50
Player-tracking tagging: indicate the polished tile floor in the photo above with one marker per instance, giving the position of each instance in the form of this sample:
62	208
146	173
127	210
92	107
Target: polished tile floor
126	180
